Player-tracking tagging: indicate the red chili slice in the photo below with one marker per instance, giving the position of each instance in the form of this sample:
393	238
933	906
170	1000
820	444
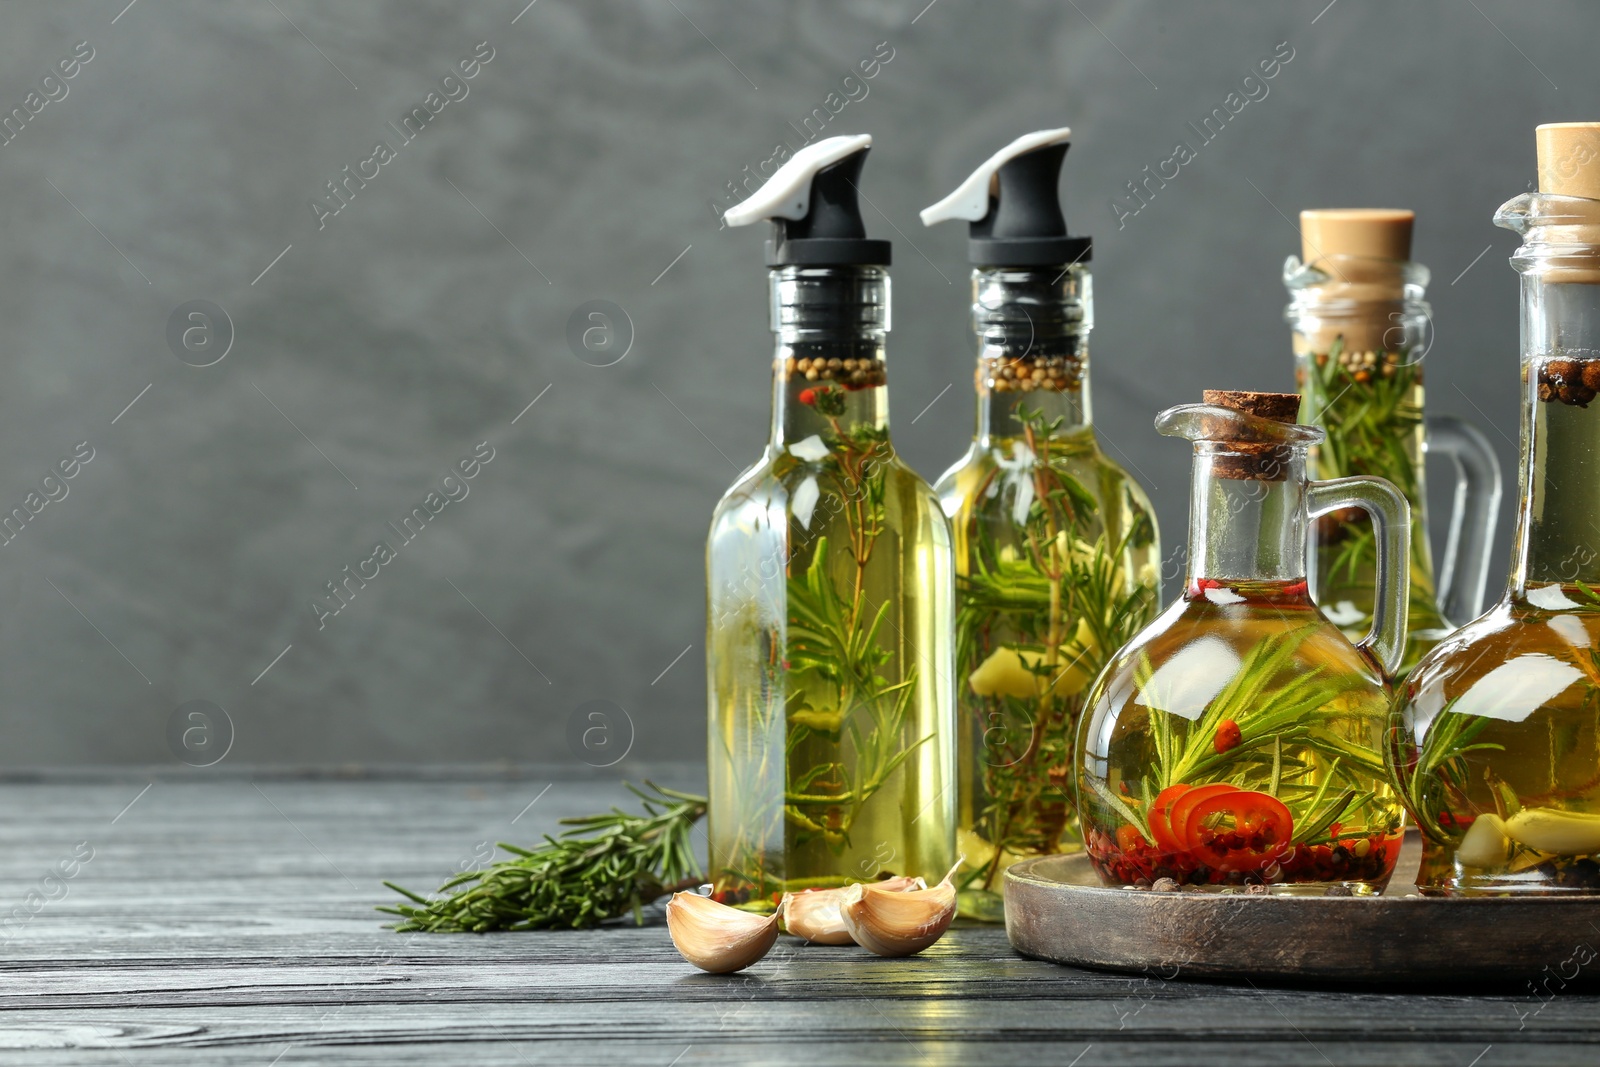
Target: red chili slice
1178	817
1160	819
1251	831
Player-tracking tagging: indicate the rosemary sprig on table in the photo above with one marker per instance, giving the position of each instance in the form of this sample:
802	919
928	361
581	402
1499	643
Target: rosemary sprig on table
606	866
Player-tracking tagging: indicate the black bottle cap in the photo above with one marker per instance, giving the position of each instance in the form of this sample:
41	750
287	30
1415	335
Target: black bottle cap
814	206
1013	205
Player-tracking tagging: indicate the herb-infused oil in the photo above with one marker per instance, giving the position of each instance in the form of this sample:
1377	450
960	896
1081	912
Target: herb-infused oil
1362	331
1239	738
830	584
1497	734
1056	548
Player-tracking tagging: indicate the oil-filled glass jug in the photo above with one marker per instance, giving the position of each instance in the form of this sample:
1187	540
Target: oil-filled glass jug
1239	738
1362	337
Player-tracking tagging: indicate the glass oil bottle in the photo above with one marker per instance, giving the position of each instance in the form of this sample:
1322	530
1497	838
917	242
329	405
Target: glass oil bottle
1238	740
830	583
1056	549
1361	331
1497	733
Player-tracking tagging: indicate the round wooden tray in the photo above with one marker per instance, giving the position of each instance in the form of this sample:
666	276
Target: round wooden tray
1056	909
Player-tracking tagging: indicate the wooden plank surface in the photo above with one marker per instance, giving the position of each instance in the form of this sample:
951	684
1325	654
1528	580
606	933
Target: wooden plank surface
227	920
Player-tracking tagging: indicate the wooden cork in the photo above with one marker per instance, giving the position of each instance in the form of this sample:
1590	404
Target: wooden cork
1279	407
1378	233
1569	158
1364	252
1246	456
1569	165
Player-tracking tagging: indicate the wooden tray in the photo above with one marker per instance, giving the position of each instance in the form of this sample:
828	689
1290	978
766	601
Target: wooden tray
1056	909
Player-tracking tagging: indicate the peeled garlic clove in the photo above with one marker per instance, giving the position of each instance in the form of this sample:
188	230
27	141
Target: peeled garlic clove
899	924
814	914
1485	843
1565	833
717	938
1004	673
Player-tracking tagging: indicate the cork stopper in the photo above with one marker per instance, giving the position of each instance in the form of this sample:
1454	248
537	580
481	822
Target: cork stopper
1569	165
1278	407
1569	158
1248	456
1379	233
1363	256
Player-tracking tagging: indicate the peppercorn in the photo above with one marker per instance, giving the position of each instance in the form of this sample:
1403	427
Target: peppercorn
1227	736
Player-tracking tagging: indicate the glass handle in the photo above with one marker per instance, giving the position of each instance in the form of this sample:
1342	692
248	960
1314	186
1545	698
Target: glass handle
1391	526
1464	570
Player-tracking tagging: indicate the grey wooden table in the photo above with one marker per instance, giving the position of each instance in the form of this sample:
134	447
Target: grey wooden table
227	920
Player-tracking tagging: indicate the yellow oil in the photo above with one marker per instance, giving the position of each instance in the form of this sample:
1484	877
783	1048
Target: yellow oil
830	604
1244	684
1497	739
1046	594
1500	727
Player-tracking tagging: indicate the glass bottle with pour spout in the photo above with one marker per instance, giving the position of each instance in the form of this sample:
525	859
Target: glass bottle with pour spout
1497	731
1361	331
830	584
1239	738
1056	545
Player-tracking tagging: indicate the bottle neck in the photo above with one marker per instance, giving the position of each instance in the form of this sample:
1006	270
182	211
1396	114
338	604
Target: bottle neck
1033	328
1247	513
1558	539
1358	305
829	374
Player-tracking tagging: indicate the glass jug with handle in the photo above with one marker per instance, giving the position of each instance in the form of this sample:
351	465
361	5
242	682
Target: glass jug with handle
1361	331
1238	739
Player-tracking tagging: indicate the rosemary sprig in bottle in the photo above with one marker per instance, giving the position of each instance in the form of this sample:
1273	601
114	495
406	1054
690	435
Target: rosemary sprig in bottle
606	866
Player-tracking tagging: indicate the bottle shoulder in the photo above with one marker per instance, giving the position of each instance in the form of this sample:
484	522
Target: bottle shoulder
1512	655
1193	649
989	477
791	480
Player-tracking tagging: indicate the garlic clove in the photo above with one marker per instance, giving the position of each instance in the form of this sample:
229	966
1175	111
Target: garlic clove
1564	833
899	924
717	938
814	913
1485	843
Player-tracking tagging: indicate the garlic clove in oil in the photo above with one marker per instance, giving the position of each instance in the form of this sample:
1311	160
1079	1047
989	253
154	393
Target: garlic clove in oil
717	938
899	924
814	913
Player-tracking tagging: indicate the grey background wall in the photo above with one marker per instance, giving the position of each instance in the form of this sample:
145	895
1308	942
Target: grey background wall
369	356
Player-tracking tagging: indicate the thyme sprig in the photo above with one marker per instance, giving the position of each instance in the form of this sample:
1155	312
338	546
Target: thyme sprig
605	867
